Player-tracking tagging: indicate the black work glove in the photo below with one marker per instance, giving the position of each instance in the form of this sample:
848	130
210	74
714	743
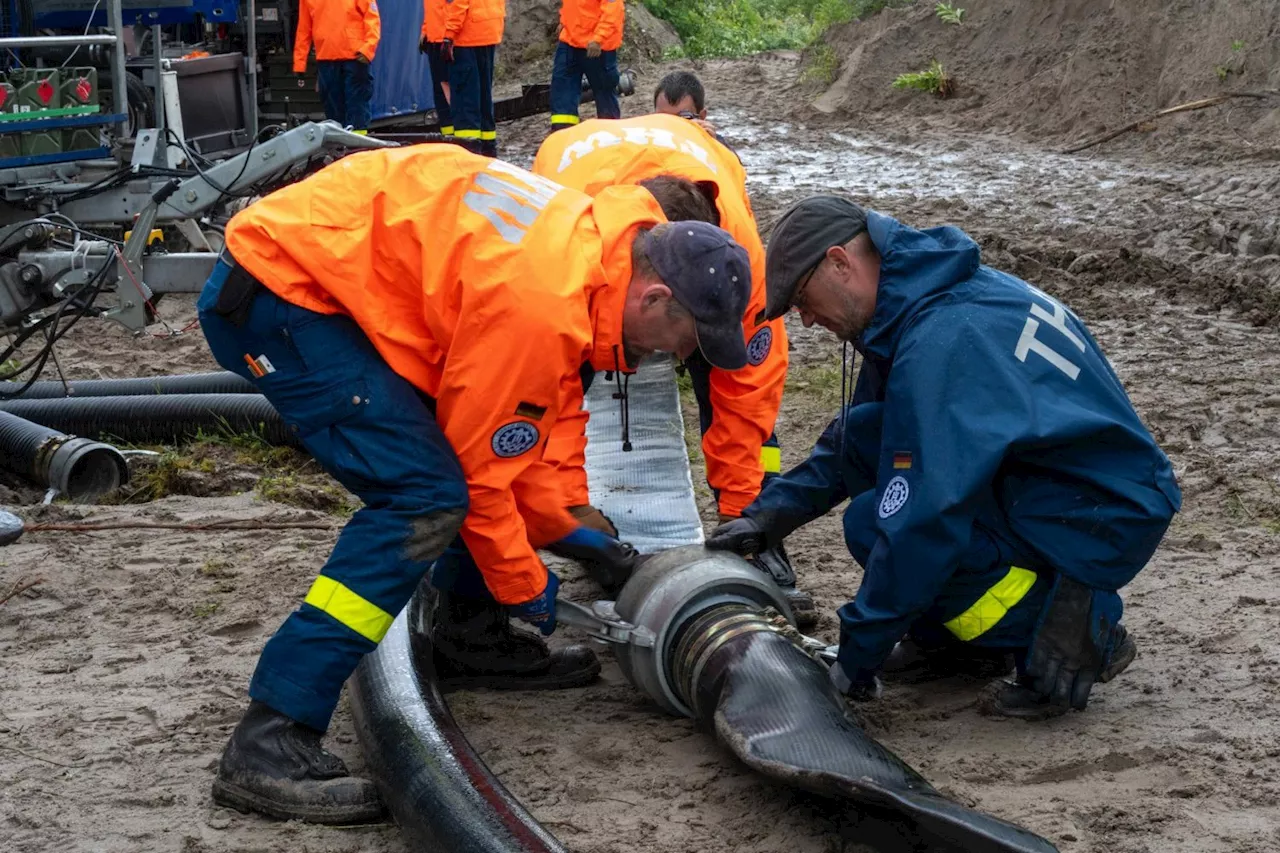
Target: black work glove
446	50
423	45
609	561
1070	647
744	536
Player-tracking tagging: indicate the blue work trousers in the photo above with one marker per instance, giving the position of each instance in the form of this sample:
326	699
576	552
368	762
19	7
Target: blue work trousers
439	77
571	65
374	433
346	87
471	99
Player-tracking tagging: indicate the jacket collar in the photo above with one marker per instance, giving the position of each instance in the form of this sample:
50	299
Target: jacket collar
619	213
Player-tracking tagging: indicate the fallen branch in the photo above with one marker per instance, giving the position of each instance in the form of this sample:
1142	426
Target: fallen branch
230	524
1180	108
42	758
19	588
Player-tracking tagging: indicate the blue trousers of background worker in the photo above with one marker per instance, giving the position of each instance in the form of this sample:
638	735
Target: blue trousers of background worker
346	87
571	65
471	98
440	76
991	561
374	433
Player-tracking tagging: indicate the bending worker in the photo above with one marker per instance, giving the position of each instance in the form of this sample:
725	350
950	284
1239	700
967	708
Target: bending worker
460	38
415	315
345	33
737	409
590	34
1002	487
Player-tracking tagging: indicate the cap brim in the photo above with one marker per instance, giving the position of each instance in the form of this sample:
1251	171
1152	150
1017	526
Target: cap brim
722	348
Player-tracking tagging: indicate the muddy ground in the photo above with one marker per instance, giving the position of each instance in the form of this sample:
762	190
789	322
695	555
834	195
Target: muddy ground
125	668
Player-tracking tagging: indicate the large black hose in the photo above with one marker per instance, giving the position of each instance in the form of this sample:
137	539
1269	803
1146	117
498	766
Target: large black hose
438	789
160	419
222	382
773	707
77	468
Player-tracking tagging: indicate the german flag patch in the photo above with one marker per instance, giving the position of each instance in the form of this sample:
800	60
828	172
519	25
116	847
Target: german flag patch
901	460
530	411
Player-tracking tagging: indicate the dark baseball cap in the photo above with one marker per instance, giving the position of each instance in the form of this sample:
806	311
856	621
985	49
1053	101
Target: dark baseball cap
710	275
800	241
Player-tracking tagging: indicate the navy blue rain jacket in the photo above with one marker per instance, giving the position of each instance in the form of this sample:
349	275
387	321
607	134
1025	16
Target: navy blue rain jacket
1004	407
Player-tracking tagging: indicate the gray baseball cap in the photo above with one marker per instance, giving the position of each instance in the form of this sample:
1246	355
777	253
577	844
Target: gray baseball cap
800	241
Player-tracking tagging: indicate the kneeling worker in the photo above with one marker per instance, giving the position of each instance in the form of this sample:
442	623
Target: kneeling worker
1002	487
737	409
415	315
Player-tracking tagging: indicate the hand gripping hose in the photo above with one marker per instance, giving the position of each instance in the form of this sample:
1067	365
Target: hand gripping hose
157	419
224	382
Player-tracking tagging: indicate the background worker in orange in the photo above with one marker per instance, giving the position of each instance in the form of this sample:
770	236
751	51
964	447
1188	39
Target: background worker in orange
471	34
590	34
417	315
429	44
737	409
345	34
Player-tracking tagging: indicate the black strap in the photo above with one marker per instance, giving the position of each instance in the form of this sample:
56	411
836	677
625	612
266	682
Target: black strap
235	300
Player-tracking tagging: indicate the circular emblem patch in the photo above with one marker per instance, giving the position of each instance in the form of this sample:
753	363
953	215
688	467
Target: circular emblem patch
514	439
895	497
759	345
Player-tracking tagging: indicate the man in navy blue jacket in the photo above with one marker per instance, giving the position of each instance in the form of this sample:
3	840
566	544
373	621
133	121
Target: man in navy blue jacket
1002	488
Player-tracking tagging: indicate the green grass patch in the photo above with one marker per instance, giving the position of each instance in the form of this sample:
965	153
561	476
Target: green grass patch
739	27
933	79
821	383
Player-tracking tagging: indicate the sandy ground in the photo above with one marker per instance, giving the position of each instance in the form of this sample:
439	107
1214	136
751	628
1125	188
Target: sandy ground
125	669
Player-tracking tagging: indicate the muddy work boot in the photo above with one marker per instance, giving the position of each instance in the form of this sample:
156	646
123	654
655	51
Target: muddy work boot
475	646
775	563
910	662
1021	700
276	766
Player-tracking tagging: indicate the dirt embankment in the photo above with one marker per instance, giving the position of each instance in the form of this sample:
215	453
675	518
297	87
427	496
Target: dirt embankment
1066	69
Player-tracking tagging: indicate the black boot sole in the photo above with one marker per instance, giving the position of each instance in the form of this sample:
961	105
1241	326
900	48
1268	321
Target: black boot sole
233	796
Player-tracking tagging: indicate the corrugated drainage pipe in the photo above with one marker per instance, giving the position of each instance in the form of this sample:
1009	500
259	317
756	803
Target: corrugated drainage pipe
222	382
77	468
439	791
166	418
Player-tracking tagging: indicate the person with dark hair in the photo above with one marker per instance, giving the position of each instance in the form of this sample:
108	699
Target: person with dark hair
1001	487
680	93
736	410
417	315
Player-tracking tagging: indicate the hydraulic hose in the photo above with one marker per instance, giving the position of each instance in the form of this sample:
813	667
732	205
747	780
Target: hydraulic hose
772	706
223	382
77	468
438	789
161	419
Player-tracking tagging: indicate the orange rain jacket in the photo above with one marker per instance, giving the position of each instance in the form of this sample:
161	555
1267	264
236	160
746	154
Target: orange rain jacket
597	154
339	28
468	23
584	21
485	286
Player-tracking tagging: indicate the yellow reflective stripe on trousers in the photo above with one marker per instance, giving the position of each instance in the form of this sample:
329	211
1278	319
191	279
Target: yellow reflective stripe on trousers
488	134
561	118
466	134
364	617
994	604
447	130
771	459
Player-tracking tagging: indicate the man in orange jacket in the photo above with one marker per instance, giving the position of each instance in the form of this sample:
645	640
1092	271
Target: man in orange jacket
345	33
418	316
737	409
468	39
590	34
